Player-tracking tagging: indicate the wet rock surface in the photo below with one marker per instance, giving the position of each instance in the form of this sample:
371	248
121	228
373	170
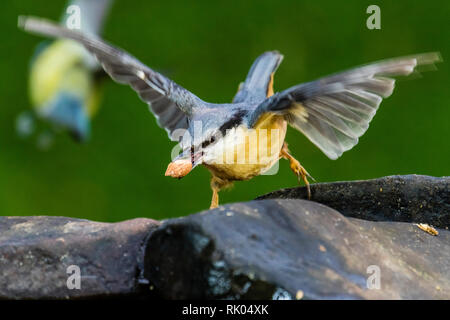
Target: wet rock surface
35	253
410	198
282	247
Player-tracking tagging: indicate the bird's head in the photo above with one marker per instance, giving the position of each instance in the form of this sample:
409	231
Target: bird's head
205	139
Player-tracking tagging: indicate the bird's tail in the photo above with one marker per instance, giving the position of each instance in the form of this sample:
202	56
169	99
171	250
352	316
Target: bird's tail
259	79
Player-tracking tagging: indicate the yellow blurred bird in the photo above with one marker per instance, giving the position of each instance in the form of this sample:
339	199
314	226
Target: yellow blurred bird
65	79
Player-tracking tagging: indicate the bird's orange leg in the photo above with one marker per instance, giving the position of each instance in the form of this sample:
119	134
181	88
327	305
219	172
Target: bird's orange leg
296	167
216	185
215	198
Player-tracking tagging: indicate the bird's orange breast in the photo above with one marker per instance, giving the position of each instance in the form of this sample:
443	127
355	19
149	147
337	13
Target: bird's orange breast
244	153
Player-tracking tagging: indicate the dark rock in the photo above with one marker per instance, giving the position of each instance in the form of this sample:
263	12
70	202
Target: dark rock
35	253
293	248
279	248
410	198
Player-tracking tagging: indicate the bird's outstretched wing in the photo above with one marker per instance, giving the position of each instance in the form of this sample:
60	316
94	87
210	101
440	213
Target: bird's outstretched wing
170	103
334	111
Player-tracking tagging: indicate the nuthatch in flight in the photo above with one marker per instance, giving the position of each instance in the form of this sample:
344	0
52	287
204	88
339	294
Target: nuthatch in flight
65	79
245	138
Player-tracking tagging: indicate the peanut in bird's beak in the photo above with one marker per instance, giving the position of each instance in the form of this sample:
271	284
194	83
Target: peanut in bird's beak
178	168
183	164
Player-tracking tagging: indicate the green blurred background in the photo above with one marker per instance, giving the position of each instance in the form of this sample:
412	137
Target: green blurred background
208	47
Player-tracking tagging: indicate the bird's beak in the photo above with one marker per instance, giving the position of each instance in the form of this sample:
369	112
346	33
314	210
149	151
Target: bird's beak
184	163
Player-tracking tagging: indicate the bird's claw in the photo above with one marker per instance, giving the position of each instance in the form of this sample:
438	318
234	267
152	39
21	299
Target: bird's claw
301	172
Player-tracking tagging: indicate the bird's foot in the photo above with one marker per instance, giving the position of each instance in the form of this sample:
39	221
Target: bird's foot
297	168
217	184
301	172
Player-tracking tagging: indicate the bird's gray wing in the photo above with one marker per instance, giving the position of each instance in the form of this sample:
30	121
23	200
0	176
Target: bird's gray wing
333	112
170	103
260	77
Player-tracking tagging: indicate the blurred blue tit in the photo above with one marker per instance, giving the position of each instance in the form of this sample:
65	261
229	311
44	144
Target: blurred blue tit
65	79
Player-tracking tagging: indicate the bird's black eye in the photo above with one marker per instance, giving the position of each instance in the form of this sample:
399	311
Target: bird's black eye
208	142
